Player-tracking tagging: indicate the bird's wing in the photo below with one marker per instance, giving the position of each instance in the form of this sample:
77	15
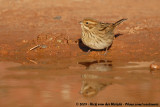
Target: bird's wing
109	27
105	26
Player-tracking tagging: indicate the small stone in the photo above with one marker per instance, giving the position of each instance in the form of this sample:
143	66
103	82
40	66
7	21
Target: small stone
155	66
50	39
24	41
43	46
57	17
59	41
65	41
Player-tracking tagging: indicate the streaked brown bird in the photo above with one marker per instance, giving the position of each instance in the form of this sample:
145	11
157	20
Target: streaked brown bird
97	35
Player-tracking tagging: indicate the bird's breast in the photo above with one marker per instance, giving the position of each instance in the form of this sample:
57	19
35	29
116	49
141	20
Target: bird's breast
95	41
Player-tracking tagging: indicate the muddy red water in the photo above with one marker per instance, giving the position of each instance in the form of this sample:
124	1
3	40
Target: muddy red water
44	63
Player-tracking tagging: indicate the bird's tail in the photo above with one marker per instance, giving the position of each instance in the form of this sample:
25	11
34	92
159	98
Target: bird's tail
118	22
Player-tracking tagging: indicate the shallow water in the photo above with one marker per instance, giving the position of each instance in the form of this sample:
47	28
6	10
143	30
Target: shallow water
78	83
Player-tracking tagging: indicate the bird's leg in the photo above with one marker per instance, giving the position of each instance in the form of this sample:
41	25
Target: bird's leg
106	52
89	51
86	53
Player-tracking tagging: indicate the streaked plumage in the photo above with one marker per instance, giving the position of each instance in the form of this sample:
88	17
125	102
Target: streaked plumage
97	35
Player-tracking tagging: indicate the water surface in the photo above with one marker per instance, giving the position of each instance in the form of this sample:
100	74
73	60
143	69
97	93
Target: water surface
62	84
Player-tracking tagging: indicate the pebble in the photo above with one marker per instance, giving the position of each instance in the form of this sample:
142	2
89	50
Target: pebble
59	41
43	46
50	39
24	41
155	66
57	17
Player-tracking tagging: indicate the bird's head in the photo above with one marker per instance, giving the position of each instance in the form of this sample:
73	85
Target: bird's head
88	24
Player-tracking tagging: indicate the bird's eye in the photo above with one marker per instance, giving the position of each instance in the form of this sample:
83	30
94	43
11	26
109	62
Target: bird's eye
86	22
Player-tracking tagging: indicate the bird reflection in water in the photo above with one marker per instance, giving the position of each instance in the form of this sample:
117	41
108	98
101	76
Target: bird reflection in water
93	83
100	65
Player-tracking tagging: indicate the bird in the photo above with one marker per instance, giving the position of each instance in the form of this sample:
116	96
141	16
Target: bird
98	35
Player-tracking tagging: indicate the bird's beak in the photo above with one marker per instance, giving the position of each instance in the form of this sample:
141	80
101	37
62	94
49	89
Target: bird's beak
80	22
